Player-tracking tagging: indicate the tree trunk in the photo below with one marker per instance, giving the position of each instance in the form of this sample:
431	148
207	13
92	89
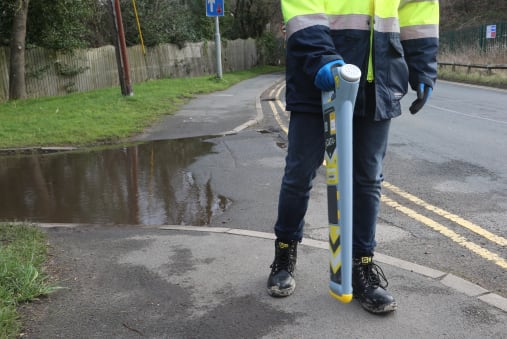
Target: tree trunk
17	85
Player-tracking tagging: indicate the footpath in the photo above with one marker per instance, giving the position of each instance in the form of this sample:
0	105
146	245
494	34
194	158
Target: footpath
173	281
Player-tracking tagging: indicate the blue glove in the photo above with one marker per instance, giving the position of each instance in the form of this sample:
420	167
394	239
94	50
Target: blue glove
423	94
324	79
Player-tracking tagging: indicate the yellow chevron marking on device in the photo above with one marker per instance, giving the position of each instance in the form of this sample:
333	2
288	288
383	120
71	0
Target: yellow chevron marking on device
335	262
452	217
334	233
460	240
336	252
336	268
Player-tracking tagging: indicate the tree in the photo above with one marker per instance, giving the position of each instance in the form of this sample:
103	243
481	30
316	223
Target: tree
250	18
460	14
167	21
60	24
17	85
99	26
56	24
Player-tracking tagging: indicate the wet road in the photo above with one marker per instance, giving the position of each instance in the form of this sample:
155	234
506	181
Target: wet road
445	169
148	182
126	281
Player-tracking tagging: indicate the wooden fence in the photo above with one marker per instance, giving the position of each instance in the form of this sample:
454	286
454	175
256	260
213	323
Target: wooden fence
50	73
489	68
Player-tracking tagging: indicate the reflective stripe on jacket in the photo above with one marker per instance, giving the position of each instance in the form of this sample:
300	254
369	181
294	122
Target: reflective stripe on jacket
404	39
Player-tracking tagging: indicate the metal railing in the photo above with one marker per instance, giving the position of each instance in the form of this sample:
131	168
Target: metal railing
475	38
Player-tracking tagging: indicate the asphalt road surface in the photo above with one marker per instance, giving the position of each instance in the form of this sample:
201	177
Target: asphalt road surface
443	207
445	196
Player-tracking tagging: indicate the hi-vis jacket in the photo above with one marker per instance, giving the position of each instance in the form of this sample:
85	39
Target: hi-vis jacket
394	42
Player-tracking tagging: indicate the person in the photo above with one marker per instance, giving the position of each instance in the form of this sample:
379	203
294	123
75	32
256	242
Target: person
394	43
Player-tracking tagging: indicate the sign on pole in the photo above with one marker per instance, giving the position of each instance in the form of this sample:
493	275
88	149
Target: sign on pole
490	31
214	7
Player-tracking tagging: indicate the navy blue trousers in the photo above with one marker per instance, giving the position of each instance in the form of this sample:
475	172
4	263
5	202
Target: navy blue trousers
304	156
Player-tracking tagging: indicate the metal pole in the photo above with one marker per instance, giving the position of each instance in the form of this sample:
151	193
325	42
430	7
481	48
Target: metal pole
218	48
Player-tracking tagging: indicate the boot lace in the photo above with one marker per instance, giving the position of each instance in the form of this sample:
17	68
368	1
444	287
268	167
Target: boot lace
283	261
375	276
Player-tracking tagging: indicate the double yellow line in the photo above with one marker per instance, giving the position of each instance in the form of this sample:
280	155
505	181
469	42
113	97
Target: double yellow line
460	240
447	232
275	94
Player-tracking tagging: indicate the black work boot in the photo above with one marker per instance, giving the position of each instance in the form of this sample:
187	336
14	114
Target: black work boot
369	285
281	281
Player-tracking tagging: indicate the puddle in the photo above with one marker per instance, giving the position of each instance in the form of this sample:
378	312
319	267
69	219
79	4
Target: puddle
144	184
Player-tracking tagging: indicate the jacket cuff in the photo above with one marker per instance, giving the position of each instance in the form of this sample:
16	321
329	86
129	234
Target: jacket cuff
415	81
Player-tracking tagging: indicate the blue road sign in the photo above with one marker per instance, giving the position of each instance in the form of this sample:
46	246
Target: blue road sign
214	7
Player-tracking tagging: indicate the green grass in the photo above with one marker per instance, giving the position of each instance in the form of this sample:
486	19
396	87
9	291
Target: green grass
101	116
104	116
472	55
23	252
475	78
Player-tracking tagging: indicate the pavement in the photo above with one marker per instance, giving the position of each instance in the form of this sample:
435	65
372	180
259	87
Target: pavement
174	281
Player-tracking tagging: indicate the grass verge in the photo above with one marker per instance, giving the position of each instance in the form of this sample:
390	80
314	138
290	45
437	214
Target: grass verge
473	55
474	78
23	252
104	116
